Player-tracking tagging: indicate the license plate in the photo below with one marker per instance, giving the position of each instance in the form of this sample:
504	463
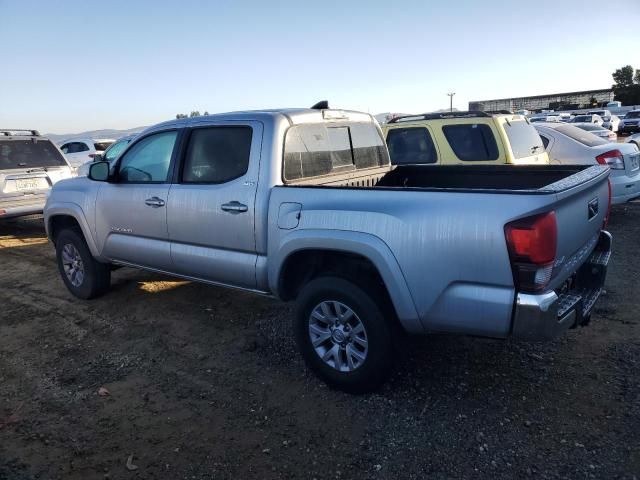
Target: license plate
635	164
27	184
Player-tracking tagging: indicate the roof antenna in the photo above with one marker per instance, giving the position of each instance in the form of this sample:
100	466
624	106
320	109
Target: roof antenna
321	105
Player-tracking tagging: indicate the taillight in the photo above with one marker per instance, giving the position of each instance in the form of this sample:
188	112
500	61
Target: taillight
532	244
606	217
92	155
613	159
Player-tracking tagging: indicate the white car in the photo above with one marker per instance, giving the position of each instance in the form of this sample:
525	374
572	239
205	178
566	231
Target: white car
80	150
544	117
567	144
634	139
610	121
588	118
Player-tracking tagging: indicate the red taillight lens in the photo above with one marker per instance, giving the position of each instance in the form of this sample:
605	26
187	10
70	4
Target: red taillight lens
532	244
533	239
92	155
613	159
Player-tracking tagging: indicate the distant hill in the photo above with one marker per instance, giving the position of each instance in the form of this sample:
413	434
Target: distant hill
105	133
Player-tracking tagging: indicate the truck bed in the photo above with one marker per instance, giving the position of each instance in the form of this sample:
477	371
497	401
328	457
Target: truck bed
481	177
490	178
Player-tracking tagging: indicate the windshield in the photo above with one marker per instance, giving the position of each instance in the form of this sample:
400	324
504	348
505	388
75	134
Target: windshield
29	154
115	150
633	115
582	118
524	139
579	135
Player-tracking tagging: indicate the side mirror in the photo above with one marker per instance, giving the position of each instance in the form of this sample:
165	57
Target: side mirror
99	171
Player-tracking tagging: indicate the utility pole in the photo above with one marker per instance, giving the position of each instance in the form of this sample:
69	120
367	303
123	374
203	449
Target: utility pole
451	100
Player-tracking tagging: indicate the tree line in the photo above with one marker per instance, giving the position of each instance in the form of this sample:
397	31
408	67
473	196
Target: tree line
626	88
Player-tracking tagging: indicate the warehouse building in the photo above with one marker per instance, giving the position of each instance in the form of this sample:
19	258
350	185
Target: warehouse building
557	101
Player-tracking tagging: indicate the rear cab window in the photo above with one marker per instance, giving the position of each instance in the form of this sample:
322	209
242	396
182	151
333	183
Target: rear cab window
319	149
101	146
29	153
411	146
472	141
523	138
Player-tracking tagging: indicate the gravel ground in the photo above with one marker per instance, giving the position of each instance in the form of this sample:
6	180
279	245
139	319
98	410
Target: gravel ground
170	379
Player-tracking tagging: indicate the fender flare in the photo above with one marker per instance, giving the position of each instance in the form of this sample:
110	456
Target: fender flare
73	210
364	244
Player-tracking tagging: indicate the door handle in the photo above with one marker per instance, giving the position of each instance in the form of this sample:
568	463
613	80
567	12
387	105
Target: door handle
154	202
234	207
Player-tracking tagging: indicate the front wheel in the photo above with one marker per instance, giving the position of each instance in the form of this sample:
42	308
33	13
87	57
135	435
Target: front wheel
83	275
343	335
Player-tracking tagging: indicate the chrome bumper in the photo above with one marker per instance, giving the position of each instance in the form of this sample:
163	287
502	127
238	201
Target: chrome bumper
545	316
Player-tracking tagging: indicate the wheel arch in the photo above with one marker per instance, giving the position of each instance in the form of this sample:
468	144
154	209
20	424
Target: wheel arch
333	251
68	215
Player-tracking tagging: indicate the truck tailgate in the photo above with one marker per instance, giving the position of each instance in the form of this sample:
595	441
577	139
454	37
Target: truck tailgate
581	207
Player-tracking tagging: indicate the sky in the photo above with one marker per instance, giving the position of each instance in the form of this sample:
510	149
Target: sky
71	66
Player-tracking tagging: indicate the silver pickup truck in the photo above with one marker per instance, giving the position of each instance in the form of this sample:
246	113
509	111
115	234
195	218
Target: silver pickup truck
304	205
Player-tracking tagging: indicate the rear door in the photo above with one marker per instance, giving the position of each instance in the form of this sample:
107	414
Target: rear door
211	208
131	211
524	144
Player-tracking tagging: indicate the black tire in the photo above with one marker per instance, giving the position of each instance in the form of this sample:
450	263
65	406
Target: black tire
378	363
97	276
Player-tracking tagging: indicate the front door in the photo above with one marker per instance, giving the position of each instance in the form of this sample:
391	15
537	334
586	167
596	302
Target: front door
131	211
211	205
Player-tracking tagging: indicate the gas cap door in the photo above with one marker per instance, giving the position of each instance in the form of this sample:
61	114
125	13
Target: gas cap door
289	215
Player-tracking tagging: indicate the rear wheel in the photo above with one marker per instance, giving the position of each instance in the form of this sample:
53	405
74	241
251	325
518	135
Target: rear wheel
342	333
83	275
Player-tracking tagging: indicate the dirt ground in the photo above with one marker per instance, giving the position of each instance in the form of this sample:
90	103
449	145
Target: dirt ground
205	383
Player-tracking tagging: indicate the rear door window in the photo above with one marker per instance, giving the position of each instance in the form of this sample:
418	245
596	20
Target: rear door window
472	142
523	138
411	146
29	154
217	154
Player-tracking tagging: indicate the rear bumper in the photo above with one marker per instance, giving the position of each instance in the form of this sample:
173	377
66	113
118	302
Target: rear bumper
18	208
545	316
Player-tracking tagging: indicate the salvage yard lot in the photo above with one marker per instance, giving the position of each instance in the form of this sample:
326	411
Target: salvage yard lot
204	382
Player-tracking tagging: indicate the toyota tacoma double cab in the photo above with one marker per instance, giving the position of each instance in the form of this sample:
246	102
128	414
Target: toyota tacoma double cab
304	205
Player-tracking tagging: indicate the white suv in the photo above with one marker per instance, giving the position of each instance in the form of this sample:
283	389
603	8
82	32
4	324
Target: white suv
81	150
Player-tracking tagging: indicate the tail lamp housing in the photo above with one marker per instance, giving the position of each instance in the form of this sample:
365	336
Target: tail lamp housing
613	159
532	244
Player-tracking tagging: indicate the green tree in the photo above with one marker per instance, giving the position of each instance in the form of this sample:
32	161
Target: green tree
626	88
194	113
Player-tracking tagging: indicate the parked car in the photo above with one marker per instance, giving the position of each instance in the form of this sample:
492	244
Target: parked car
630	123
597	131
544	117
567	144
609	120
588	118
634	139
109	155
463	138
304	205
81	150
29	165
565	116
